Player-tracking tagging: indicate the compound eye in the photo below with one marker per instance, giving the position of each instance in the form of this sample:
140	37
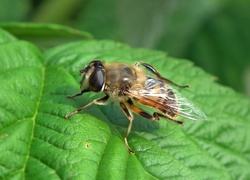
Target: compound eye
96	80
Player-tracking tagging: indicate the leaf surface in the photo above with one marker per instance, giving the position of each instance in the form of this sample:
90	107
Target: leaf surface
36	140
45	35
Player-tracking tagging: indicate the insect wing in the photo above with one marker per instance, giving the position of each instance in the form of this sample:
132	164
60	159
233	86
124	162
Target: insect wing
162	95
187	109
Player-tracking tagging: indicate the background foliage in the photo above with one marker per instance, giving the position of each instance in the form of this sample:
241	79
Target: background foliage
214	34
35	140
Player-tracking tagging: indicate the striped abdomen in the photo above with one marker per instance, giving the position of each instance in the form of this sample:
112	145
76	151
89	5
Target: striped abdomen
158	95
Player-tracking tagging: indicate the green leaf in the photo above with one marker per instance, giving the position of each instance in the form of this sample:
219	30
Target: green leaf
36	142
5	37
45	35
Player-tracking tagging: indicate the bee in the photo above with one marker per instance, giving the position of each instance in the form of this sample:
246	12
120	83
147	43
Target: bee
129	85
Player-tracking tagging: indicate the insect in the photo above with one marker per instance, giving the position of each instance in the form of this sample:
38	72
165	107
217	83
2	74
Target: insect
129	85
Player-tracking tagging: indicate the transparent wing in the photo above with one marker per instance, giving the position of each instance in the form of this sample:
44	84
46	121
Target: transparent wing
187	109
166	99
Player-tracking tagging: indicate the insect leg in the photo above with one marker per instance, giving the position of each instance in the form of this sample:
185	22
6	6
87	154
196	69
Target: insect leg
155	72
100	101
130	118
79	94
141	112
157	115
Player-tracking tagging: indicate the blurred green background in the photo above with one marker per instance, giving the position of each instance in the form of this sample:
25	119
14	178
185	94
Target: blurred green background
214	34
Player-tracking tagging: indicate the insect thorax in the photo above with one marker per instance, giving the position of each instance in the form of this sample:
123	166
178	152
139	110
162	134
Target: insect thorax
120	76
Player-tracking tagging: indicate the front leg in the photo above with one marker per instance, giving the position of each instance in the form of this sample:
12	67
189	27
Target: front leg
101	101
79	94
72	96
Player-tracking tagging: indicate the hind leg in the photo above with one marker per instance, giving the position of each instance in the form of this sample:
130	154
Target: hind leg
155	117
155	72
